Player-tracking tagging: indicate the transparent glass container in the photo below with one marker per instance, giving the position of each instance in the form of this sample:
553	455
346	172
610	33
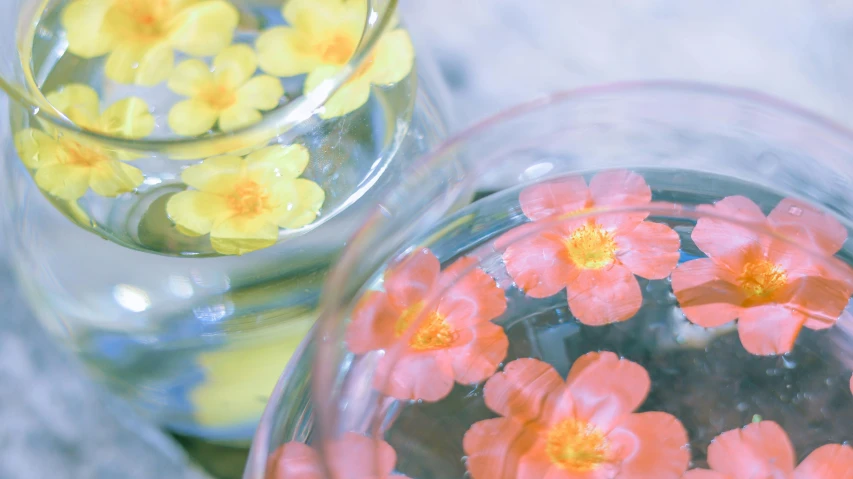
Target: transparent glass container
654	280
179	176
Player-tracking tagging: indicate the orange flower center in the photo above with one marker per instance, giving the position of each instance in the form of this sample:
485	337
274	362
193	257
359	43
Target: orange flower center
81	155
337	50
590	247
761	278
576	446
149	17
249	199
433	333
218	96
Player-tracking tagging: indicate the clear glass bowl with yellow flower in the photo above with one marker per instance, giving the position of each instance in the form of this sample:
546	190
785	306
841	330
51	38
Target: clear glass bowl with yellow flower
181	173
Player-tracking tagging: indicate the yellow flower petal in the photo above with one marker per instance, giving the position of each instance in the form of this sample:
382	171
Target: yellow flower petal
78	102
35	148
350	97
194	212
214	175
128	118
205	28
304	204
238	116
189	77
83	20
68	182
114	178
239	235
235	65
324	17
140	64
192	117
261	93
275	162
280	55
392	59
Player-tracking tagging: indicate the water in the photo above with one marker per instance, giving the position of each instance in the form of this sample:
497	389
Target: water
703	377
194	339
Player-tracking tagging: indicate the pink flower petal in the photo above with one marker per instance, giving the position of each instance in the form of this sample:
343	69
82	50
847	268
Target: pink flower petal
760	449
804	224
423	375
294	460
554	198
705	474
479	359
604	296
650	250
821	300
538	264
725	242
410	281
604	389
769	329
833	461
473	297
354	456
651	445
494	447
706	294
373	323
520	390
619	188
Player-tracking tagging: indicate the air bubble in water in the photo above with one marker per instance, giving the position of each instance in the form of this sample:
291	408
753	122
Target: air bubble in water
795	211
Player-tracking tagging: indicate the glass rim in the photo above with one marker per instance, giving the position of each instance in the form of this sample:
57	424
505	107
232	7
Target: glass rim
274	123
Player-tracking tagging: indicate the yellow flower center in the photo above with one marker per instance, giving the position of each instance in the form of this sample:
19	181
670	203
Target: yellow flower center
336	50
218	96
761	278
80	155
590	247
148	17
249	199
577	446
433	332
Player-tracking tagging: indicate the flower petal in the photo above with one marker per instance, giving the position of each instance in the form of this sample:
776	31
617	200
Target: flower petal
651	445
128	118
494	447
554	198
192	117
706	294
354	456
619	188
189	77
279	54
832	461
214	175
196	211
78	102
115	178
204	28
520	390
804	224
705	474
63	181
726	242
417	376
262	92
348	98
411	281
392	58
277	161
294	460
760	449
472	296
821	300
35	148
373	324
238	116
650	250
769	329
303	207
140	63
235	65
479	359
537	260
609	295
83	20
604	388
238	235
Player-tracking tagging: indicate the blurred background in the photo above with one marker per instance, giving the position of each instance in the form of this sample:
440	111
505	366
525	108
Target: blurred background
493	54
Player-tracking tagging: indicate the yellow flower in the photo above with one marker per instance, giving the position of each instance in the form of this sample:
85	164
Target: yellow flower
141	35
128	118
228	95
67	166
242	203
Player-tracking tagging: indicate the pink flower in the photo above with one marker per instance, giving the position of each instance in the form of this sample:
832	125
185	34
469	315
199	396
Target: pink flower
435	327
353	456
594	258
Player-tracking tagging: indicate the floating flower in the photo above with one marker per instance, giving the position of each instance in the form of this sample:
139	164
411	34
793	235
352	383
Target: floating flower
594	258
353	456
581	428
127	118
142	35
228	95
773	288
242	203
321	39
763	450
454	341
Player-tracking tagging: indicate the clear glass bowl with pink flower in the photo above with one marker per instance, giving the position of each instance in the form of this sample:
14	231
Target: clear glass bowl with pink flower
653	283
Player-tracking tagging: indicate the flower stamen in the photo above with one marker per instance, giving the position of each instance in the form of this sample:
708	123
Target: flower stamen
591	247
761	278
433	333
576	446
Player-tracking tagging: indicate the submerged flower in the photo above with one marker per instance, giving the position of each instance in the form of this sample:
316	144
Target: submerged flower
228	95
353	456
773	288
67	166
584	427
320	39
594	258
763	450
127	118
452	338
142	35
242	203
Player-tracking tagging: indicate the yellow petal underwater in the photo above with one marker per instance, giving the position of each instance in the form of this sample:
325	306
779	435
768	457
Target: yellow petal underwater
192	117
78	102
196	211
235	65
115	178
140	64
68	182
262	92
238	235
127	118
83	21
190	77
35	148
205	28
238	116
392	59
210	174
348	98
277	161
280	53
309	197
